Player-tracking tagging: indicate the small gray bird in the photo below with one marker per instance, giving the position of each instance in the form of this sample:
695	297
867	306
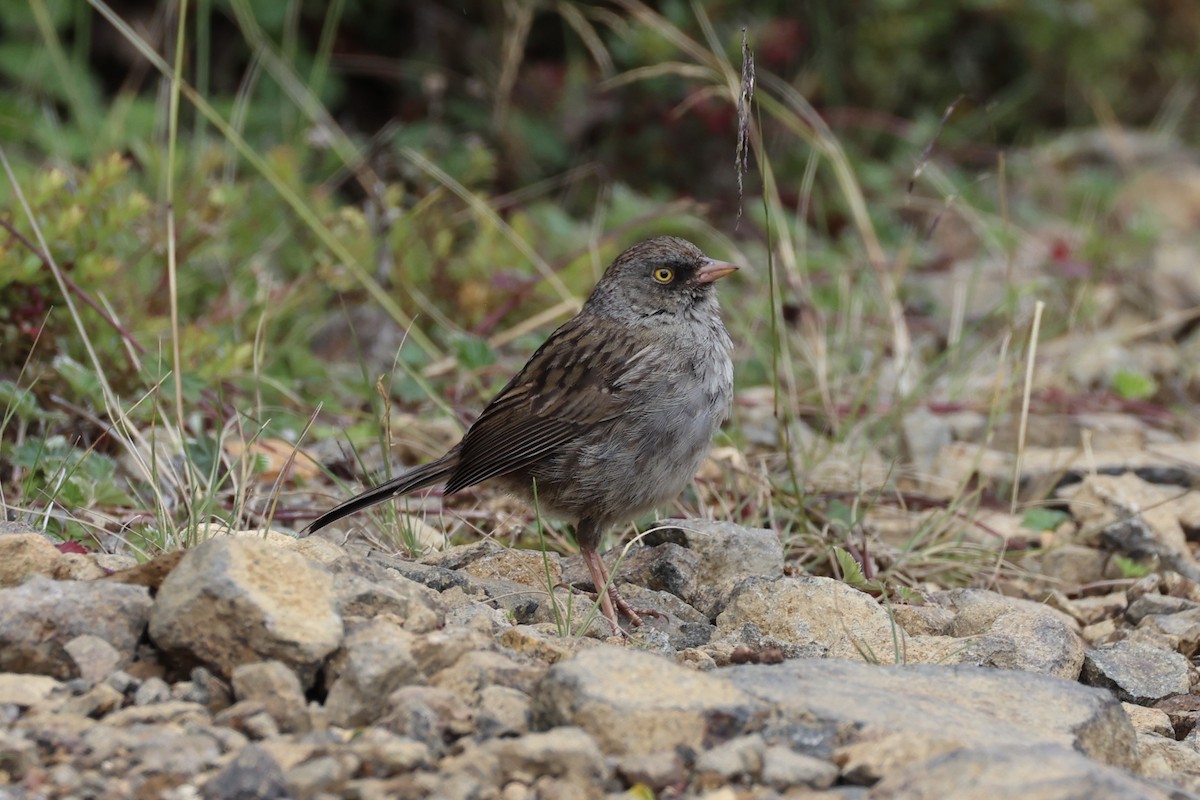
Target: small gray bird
612	415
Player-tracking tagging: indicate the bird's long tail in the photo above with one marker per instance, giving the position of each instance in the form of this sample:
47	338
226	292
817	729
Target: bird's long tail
416	478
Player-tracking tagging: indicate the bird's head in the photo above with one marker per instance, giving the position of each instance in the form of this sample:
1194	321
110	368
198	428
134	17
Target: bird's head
664	275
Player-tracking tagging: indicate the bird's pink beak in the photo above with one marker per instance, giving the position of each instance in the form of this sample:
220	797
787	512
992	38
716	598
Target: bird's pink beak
714	271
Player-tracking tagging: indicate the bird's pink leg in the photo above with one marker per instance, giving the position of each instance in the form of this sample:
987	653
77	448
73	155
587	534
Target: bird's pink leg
611	597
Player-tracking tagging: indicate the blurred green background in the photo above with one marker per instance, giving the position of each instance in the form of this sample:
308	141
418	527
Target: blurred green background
353	179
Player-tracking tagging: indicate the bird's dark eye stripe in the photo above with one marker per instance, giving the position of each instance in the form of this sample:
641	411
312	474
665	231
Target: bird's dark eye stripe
680	270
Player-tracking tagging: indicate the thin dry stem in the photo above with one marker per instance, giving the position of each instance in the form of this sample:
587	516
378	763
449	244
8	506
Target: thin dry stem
1024	421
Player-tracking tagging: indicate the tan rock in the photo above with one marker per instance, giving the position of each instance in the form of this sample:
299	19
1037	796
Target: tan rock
150	574
113	562
26	690
269	535
502	712
1089	610
234	601
989	629
812	610
383	753
1149	720
1073	565
287	752
1168	760
545	645
428	714
274	685
96	658
923	620
25	554
1099	632
314	548
631	701
77	567
527	567
437	650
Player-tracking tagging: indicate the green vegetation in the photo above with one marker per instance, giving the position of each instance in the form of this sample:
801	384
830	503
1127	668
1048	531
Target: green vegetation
256	236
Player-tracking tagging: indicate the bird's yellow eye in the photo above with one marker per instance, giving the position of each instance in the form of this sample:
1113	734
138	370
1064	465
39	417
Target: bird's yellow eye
664	275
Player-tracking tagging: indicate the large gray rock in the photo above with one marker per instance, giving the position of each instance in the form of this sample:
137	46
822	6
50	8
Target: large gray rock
636	702
901	715
236	601
728	554
39	618
976	626
375	659
1139	673
1014	772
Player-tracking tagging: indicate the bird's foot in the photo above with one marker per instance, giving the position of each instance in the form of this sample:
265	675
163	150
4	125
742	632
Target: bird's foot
633	613
617	605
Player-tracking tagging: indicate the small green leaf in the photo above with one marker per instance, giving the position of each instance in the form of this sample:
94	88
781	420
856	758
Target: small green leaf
1134	385
1130	568
852	573
1043	519
72	493
109	493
